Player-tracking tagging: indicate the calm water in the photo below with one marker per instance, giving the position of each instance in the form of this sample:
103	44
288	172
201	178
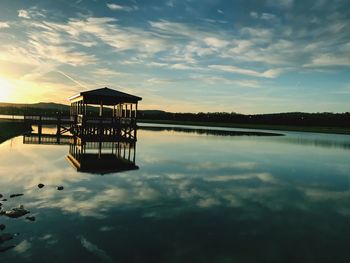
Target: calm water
195	198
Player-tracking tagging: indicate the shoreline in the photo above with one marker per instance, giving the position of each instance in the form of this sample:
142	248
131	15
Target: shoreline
328	130
11	129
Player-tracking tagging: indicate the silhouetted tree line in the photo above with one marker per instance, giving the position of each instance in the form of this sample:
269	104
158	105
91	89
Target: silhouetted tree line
30	111
324	119
293	118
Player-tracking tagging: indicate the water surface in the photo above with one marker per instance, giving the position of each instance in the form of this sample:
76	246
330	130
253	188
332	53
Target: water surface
195	198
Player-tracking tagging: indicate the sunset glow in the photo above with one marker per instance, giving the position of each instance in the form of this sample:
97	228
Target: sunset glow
241	56
6	91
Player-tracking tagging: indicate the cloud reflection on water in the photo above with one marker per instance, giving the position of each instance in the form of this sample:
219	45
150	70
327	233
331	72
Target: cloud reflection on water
253	183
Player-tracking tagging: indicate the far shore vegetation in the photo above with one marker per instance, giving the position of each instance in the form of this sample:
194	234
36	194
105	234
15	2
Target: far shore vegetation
338	123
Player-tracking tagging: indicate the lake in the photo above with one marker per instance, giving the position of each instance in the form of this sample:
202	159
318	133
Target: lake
196	197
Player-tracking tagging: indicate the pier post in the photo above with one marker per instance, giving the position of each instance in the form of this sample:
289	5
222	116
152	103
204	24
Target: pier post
58	133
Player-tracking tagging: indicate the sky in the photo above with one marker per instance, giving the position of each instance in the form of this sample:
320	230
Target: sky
240	56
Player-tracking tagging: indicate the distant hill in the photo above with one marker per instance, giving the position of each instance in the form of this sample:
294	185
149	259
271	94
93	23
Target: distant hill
40	105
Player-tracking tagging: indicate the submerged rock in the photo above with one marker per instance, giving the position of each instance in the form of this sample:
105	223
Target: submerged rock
15	195
2	227
41	185
30	218
3	249
1	195
4	200
59	188
16	212
6	237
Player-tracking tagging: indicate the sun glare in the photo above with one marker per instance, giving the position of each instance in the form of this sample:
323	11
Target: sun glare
5	90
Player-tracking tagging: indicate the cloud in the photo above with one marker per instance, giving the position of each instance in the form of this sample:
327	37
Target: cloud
214	80
329	60
180	66
215	42
265	177
271	73
4	25
263	16
105	72
116	7
33	12
23	13
95	250
23	247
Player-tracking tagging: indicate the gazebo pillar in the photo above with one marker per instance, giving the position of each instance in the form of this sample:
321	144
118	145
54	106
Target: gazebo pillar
101	109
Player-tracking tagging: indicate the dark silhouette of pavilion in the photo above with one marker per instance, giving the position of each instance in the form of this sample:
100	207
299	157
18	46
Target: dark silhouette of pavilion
103	131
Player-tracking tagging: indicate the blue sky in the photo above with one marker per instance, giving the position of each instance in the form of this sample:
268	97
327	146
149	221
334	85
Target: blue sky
191	55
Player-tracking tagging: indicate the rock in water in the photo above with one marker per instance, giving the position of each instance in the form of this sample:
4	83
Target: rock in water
41	185
16	212
4	200
1	195
59	188
2	227
15	195
30	218
3	249
6	237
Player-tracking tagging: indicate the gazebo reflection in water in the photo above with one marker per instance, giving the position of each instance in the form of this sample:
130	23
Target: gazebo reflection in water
102	131
102	157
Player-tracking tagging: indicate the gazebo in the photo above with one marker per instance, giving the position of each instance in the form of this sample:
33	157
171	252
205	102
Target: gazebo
104	115
124	104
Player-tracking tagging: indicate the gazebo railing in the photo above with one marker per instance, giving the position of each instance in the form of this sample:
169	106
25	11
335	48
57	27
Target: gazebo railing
86	120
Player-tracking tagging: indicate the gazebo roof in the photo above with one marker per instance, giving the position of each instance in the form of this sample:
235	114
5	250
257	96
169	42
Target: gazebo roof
106	96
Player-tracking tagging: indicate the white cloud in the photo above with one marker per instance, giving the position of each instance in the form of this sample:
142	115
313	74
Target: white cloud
116	7
31	13
265	177
213	80
4	25
23	247
180	66
23	13
215	42
329	60
263	16
271	73
92	248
